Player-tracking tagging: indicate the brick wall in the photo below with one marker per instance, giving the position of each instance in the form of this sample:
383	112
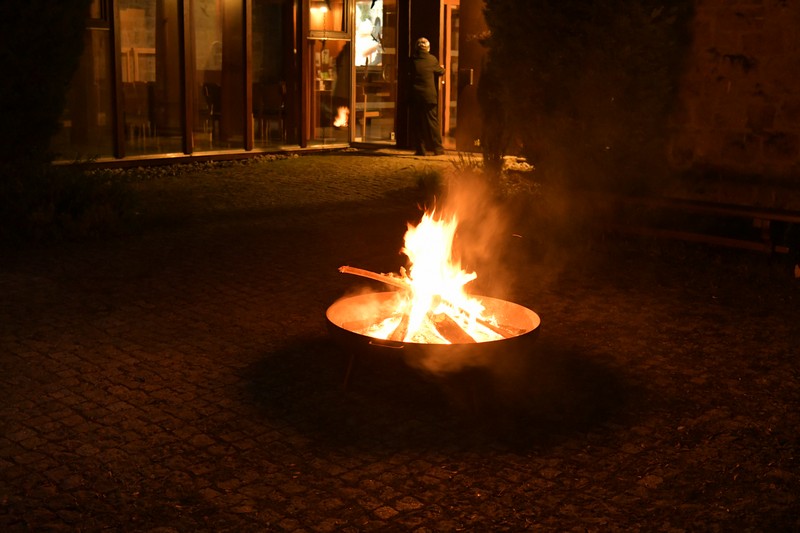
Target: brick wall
739	111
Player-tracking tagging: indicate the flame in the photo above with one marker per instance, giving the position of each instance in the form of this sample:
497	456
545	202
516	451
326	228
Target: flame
436	307
342	114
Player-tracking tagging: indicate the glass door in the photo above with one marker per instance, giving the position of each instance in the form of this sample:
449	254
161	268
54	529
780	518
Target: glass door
375	62
219	97
450	18
329	72
271	82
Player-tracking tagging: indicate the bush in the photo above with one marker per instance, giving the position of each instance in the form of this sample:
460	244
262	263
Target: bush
40	202
583	88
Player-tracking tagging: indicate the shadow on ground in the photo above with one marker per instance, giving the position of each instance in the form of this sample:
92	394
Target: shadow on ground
535	399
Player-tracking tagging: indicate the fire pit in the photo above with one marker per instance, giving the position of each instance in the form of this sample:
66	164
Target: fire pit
350	317
430	321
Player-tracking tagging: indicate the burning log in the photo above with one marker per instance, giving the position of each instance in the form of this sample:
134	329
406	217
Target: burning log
504	331
399	333
450	329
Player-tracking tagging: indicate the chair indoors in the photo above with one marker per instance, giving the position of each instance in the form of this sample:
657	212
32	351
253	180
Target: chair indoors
361	101
136	107
212	110
269	109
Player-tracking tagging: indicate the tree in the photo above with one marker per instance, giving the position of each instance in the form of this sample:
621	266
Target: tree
43	41
585	87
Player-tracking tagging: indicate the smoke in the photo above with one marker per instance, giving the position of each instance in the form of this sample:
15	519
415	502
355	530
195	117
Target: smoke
516	234
520	238
518	242
484	231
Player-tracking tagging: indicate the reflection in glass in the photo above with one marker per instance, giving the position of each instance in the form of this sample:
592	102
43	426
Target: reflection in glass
327	15
149	61
208	75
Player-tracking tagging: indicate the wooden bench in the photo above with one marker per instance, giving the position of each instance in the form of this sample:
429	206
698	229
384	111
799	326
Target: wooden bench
651	216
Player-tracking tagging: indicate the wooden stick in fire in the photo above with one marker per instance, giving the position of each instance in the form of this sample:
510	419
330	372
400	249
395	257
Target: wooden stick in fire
504	331
384	278
399	333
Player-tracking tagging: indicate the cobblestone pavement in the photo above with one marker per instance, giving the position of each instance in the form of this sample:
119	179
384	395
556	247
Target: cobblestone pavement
181	378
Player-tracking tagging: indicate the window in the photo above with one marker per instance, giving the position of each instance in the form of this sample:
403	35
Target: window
219	73
149	65
86	124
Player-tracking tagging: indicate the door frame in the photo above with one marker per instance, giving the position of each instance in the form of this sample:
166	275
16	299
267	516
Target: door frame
448	82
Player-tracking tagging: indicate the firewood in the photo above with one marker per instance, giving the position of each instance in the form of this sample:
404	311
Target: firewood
450	329
385	278
506	332
399	333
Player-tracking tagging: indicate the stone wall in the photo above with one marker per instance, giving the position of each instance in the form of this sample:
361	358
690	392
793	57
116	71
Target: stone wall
739	112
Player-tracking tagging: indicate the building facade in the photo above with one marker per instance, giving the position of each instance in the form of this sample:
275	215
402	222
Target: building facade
188	78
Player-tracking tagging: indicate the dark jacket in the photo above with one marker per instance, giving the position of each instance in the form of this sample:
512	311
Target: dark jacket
425	71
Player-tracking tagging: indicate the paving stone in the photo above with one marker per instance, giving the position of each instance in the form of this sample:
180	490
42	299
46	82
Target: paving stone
182	378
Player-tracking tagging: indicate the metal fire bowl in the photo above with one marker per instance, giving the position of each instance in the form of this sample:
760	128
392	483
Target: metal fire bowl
350	314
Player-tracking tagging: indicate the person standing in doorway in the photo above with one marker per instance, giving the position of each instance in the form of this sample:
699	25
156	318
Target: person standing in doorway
425	73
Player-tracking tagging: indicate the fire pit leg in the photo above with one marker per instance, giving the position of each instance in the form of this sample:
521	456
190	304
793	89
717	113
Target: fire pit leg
347	373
